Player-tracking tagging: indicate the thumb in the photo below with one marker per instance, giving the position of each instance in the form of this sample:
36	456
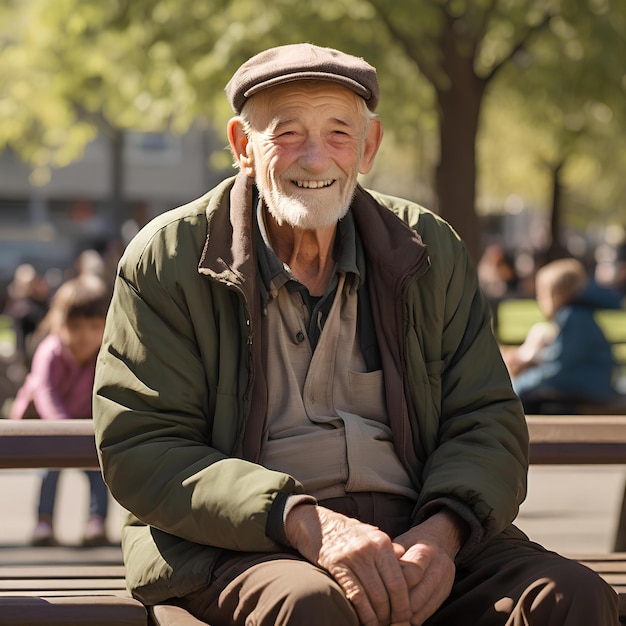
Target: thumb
398	549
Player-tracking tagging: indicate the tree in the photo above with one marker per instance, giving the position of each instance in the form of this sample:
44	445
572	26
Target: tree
567	103
150	63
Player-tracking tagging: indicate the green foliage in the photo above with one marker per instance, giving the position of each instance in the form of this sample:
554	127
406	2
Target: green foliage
563	100
554	69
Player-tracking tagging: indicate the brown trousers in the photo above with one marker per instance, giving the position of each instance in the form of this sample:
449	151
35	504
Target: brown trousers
511	581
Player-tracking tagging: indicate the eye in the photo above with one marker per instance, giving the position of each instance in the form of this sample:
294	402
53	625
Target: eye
340	136
287	138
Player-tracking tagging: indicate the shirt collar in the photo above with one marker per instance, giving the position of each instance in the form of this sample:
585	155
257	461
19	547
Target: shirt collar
274	274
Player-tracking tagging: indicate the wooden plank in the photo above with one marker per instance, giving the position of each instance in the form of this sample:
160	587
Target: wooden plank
62	593
612	567
598	557
66	584
577	428
61	571
577	439
554	439
614	579
577	453
169	615
50	444
88	610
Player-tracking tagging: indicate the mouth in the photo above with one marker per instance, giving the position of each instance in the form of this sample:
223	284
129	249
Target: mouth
313	184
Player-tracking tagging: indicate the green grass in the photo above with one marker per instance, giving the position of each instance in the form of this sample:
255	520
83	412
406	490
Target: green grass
515	317
7	334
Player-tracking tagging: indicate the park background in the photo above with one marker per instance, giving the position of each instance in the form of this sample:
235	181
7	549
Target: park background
506	117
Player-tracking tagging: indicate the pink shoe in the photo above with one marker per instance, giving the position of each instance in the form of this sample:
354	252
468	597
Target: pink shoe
95	533
42	535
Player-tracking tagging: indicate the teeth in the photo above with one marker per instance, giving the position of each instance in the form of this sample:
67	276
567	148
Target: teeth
313	184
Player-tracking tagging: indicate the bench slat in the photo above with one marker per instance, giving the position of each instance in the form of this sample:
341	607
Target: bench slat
614	567
577	428
61	571
168	615
562	439
43	584
86	610
61	593
577	439
49	444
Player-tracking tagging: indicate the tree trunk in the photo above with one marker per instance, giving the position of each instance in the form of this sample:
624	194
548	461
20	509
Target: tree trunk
459	109
555	249
116	198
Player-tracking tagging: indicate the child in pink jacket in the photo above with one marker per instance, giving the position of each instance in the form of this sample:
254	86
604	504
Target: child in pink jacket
60	384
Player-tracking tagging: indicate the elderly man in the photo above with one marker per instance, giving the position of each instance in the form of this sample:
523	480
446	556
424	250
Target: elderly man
299	398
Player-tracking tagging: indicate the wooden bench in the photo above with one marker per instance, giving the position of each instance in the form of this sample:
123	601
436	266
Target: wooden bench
581	440
587	440
97	593
58	595
88	595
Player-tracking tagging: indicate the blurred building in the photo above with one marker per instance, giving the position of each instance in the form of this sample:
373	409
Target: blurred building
79	207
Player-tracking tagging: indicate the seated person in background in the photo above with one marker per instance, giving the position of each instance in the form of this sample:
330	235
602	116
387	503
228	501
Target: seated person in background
299	397
566	359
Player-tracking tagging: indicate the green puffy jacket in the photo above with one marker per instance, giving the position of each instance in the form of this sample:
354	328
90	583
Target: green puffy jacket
179	397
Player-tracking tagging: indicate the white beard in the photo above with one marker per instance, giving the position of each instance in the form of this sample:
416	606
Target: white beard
304	213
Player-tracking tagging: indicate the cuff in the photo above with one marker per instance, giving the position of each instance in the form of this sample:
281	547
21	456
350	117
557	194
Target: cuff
475	528
282	505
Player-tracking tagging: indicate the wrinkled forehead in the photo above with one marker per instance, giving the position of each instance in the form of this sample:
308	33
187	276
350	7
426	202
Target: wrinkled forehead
305	99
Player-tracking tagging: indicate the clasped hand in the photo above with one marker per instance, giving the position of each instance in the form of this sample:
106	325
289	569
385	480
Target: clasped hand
397	582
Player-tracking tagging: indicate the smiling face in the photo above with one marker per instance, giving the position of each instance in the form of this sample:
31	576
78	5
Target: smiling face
305	144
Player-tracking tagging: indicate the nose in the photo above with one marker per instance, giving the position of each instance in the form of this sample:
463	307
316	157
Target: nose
314	155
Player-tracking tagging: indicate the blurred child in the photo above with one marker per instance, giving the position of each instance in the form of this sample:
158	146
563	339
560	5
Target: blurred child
566	359
60	384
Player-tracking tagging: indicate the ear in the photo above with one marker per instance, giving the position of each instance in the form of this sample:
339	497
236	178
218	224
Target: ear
373	137
240	146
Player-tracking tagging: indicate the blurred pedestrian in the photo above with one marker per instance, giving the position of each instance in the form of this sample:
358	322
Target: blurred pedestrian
27	304
566	359
496	273
59	386
91	262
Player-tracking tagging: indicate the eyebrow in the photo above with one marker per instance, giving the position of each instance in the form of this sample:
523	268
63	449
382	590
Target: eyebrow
276	123
349	122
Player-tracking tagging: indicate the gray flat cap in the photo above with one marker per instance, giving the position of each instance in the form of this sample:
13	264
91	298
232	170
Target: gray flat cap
302	61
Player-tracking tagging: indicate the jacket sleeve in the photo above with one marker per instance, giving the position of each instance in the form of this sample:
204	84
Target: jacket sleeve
476	441
156	394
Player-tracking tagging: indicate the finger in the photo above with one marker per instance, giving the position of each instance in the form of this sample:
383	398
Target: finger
357	595
372	562
396	587
413	574
399	550
428	595
371	595
378	595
